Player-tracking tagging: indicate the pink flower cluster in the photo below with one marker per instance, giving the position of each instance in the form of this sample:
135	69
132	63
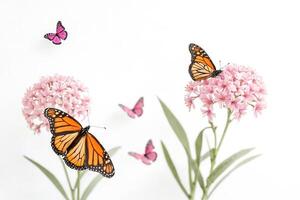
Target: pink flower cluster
237	88
62	92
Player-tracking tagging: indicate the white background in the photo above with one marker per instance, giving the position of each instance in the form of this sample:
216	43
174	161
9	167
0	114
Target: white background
124	49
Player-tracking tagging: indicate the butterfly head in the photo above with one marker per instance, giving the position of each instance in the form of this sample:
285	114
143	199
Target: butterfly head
215	73
85	130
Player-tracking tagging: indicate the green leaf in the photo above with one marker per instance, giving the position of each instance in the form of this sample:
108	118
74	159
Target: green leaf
199	158
198	175
205	156
200	178
225	165
96	179
50	176
232	170
212	154
198	147
176	126
82	173
180	133
173	168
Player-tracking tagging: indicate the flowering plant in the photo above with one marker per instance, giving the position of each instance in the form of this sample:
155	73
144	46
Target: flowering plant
237	89
66	93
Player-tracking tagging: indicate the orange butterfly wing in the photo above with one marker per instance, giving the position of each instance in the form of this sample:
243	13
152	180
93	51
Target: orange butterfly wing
64	128
202	66
88	153
98	159
61	122
77	154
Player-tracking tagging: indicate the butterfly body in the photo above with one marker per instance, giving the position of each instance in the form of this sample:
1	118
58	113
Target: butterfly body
201	66
81	134
60	34
78	147
215	73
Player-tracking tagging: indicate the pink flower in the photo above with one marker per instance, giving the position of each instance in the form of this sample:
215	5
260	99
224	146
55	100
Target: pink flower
190	87
207	88
240	110
189	102
237	88
62	92
222	97
233	103
207	100
259	106
208	112
247	95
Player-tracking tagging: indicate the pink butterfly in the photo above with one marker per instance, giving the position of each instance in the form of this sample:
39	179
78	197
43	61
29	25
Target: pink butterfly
60	34
148	157
137	110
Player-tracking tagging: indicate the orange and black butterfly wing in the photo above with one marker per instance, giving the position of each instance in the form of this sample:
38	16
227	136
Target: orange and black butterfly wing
64	128
87	153
201	66
199	55
97	158
76	154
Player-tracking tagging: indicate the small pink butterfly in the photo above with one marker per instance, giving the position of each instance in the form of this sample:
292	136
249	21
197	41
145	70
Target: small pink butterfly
60	34
148	157
137	110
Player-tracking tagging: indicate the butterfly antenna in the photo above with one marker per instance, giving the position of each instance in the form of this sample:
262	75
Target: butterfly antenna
88	116
103	127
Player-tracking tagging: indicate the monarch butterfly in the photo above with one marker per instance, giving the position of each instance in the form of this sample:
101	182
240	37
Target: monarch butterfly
201	67
79	148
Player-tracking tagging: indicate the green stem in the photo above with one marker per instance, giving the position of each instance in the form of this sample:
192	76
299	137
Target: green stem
217	147
68	179
213	160
204	196
192	195
78	185
190	174
214	128
194	184
228	121
212	165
